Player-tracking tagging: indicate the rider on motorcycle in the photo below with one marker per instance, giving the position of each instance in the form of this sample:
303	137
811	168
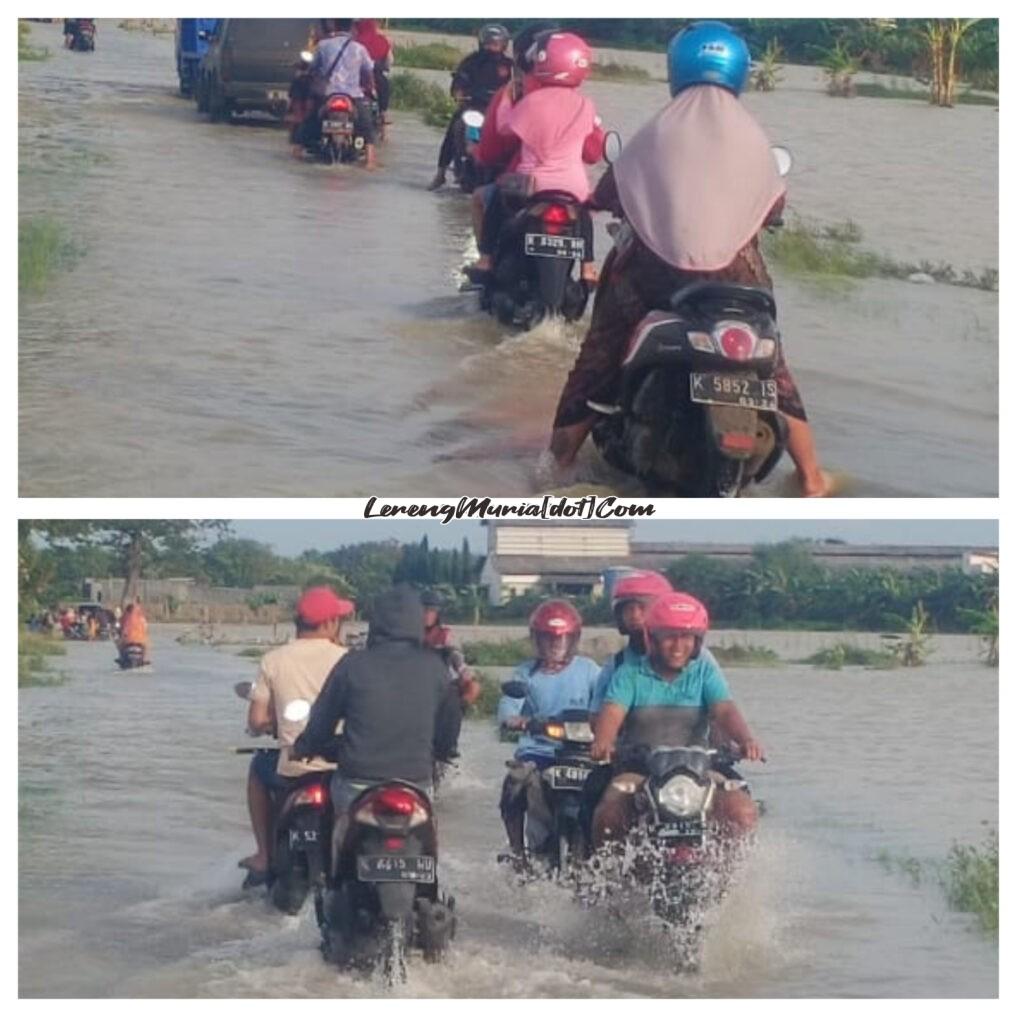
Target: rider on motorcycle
631	597
367	33
342	65
559	132
134	629
695	185
477	78
298	670
389	696
557	678
671	697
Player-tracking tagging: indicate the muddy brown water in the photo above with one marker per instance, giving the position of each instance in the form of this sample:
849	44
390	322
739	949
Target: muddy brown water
241	324
132	818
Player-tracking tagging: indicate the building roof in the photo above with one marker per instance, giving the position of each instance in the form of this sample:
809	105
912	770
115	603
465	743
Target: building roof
513	522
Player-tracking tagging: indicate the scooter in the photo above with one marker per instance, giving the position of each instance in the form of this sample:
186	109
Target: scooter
381	899
131	657
84	40
340	141
698	411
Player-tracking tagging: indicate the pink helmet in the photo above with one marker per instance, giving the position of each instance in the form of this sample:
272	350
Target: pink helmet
644	584
677	611
560	58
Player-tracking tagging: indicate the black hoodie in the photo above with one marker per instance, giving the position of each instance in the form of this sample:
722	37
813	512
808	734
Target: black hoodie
388	696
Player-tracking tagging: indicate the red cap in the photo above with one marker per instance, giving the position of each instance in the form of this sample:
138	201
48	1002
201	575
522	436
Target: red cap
317	605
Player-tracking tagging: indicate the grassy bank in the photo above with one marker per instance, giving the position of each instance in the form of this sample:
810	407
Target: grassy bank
831	252
745	655
876	90
409	92
498	653
428	56
43	248
25	51
840	655
34	651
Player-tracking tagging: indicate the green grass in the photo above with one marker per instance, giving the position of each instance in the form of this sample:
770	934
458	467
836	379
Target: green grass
876	90
839	655
611	71
26	52
409	92
830	252
43	249
902	864
34	651
745	655
430	56
971	881
498	653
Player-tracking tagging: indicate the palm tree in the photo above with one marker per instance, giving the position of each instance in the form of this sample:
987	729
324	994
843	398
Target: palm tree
942	37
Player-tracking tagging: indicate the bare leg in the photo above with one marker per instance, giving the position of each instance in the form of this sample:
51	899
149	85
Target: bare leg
370	163
735	811
477	213
813	480
614	814
261	811
567	440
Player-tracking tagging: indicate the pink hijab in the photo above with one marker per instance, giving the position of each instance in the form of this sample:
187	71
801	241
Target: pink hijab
698	180
552	124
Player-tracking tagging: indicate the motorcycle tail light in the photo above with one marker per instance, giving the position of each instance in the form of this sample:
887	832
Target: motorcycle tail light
314	795
701	342
766	348
556	215
736	341
737	442
393	843
339	103
393	804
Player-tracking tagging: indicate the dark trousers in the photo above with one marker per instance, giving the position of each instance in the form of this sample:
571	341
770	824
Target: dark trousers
382	85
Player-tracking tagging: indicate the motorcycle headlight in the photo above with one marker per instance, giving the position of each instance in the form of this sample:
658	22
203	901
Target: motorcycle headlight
682	796
578	732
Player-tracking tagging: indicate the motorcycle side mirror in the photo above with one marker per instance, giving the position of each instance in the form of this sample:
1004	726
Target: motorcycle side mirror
612	146
307	56
514	688
783	158
243	689
297	710
473	119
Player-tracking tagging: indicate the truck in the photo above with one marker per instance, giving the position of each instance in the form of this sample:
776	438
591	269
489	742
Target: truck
191	40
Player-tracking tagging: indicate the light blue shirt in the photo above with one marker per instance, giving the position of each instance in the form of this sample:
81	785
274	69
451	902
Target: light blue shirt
630	658
549	695
347	75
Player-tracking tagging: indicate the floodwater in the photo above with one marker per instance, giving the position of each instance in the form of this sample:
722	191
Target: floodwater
242	324
132	818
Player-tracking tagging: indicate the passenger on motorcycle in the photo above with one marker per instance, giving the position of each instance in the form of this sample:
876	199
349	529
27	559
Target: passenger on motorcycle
672	697
342	65
558	130
298	670
631	597
696	185
389	696
476	80
557	679
367	33
134	628
440	637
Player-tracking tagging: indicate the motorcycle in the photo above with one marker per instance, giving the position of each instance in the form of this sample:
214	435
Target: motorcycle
302	829
698	408
131	656
381	898
466	172
676	857
559	833
533	268
84	40
339	140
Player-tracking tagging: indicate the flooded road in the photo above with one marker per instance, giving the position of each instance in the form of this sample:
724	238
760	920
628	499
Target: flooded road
241	324
132	818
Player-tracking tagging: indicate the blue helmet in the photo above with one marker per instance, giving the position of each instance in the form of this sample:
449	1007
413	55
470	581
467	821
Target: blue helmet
707	53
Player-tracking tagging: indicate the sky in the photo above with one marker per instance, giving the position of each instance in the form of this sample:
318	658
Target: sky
289	538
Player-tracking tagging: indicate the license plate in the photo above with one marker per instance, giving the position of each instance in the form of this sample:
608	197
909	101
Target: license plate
396	869
338	126
552	247
682	829
713	388
303	837
567	777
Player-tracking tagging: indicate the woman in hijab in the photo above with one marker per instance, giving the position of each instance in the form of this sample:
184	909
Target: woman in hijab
367	33
696	185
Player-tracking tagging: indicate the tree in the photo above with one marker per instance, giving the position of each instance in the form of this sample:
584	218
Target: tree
136	544
241	563
943	37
